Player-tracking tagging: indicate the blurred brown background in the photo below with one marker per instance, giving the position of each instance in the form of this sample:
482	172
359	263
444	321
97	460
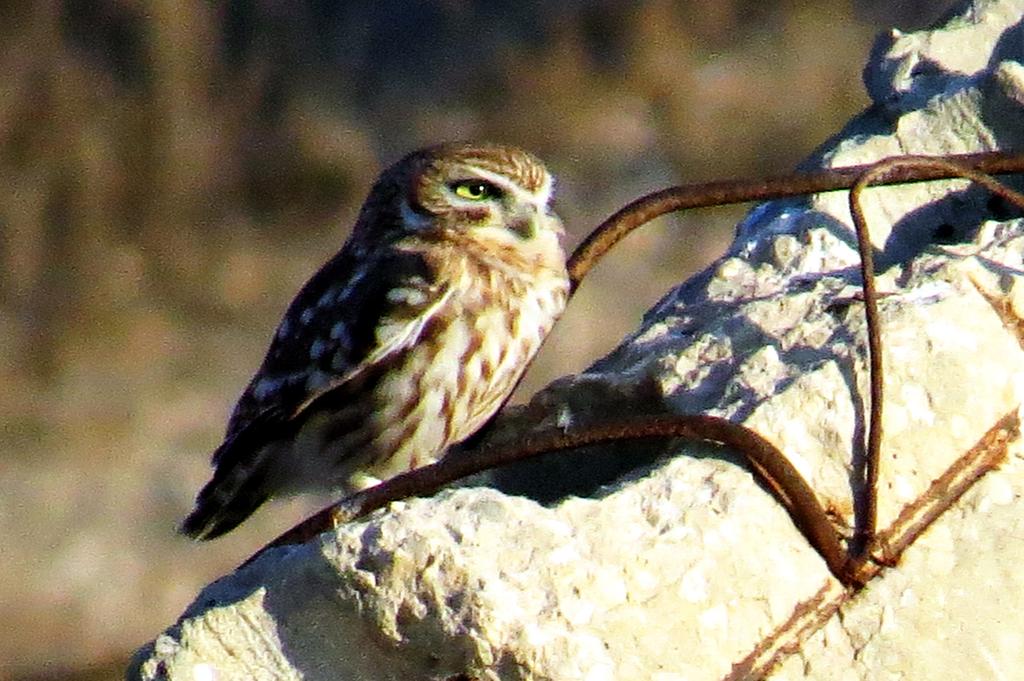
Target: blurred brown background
170	173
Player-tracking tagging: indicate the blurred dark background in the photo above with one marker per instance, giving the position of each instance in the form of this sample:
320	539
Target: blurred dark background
170	173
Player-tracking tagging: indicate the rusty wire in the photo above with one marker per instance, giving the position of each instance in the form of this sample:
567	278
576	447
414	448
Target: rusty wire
881	173
723	193
850	567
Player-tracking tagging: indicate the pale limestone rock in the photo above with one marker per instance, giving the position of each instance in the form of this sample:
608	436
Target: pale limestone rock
687	570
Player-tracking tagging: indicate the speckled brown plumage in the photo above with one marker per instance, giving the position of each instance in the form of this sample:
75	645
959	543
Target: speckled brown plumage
404	343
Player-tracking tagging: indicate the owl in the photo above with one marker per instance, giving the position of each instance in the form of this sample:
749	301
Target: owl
407	341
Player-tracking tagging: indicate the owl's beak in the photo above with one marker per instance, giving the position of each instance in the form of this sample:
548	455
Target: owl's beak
526	224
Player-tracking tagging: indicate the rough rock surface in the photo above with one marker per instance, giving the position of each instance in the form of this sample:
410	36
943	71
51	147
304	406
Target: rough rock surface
690	569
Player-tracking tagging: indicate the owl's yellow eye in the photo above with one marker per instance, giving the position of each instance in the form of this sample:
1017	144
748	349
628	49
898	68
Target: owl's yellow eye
475	190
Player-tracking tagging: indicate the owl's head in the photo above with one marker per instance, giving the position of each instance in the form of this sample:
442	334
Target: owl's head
483	192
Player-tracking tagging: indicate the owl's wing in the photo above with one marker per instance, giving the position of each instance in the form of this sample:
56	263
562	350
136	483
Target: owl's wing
350	317
346	324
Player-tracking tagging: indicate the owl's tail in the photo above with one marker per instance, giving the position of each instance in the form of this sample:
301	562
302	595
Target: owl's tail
238	488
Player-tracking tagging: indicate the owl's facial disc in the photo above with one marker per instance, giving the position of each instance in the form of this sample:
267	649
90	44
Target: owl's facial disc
484	199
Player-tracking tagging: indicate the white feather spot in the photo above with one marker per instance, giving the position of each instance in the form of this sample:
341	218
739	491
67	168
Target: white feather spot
317	380
328	297
205	672
408	296
265	387
344	292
